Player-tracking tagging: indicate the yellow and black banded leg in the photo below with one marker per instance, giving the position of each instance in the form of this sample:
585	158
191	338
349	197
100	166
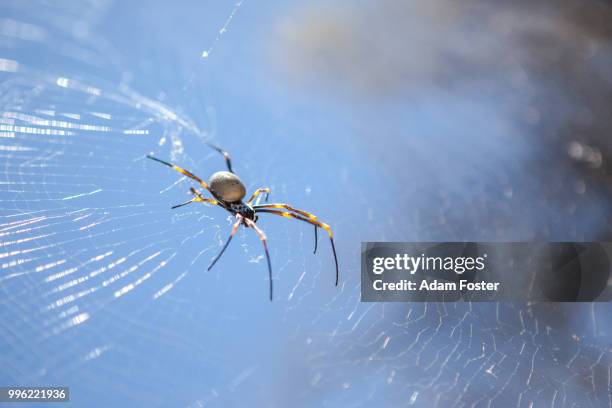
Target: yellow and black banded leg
225	154
208	200
262	237
258	192
199	198
295	210
312	221
287	207
182	171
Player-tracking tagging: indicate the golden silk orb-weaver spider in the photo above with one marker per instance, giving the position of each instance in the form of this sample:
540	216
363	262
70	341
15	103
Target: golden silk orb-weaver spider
229	191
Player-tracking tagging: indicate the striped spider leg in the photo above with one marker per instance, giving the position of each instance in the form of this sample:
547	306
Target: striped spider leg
302	216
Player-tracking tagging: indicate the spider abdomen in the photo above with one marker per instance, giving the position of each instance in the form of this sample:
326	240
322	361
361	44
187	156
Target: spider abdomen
227	186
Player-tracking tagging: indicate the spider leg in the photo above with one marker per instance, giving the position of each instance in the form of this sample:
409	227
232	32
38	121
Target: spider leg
315	222
295	210
182	171
208	200
199	198
234	229
258	192
262	237
287	207
225	154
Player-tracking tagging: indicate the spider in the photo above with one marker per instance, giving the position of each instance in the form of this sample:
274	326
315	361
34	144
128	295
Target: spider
229	191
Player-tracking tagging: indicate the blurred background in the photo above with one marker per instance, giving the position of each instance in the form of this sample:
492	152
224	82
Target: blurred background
390	120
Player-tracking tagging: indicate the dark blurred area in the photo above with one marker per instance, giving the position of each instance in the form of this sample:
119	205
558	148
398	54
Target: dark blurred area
541	67
493	117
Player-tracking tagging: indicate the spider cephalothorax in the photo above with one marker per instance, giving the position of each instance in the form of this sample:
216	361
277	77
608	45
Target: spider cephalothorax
243	209
229	191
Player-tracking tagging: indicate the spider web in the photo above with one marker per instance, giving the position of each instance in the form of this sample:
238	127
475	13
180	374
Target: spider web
104	289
